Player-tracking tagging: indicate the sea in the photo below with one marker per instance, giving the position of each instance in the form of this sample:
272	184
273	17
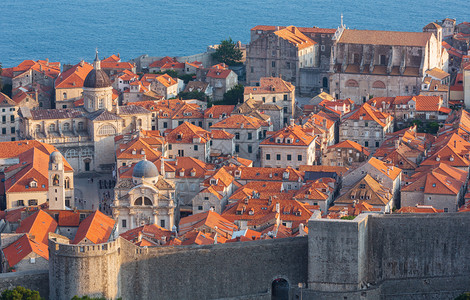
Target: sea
68	31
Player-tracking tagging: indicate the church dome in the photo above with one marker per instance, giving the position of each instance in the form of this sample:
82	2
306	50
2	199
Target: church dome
145	169
55	157
97	79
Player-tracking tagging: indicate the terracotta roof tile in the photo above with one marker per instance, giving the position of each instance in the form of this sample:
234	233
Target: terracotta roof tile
96	228
376	37
38	225
18	250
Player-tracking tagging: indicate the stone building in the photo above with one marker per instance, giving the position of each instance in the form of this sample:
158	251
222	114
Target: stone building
85	136
367	63
345	154
265	111
248	131
147	198
189	140
288	147
220	78
366	126
279	53
69	84
9	113
276	91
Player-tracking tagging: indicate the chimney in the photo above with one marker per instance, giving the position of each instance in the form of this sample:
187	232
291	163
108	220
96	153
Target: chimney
292	122
278	207
139	237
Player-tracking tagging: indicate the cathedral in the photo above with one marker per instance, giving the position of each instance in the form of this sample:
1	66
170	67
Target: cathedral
85	134
145	199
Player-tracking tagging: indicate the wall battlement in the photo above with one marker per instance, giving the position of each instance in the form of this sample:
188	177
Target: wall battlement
385	256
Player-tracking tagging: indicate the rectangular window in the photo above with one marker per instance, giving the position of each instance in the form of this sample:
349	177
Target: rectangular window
299	157
278	156
12	129
4	119
366	144
12	119
264	99
251	69
322	47
274	99
162	223
250	136
268	156
285	97
200	124
199	207
196	147
289	157
250	149
124	223
237	135
4	131
273	64
288	65
377	144
170	147
237	148
180	122
165	125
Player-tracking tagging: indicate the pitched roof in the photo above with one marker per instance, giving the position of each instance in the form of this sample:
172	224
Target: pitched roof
152	232
38	225
270	85
217	111
208	219
186	133
138	145
239	121
350	145
103	115
193	86
294	36
367	190
379	37
437	73
159	63
17	251
389	171
419	210
292	135
73	77
96	228
302	29
54	114
367	112
221	135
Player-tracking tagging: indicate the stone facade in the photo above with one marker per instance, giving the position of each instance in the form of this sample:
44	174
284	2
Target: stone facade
358	259
382	63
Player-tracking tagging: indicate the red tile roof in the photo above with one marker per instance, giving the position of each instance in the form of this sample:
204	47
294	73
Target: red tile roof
96	228
270	85
73	77
294	36
206	220
17	251
351	145
239	121
218	110
186	133
302	29
38	225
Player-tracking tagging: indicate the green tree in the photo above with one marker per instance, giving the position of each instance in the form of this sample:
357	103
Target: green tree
193	95
234	95
20	293
464	296
228	53
170	72
186	77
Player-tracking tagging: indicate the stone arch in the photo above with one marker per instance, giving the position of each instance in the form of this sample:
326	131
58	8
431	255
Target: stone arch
352	83
280	287
67	182
378	85
107	129
143	201
52	127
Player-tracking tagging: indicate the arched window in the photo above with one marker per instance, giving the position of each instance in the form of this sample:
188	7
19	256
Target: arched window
107	130
80	126
71	153
55	180
52	127
38	128
352	83
66	127
64	95
144	200
139	123
67	183
101	103
378	85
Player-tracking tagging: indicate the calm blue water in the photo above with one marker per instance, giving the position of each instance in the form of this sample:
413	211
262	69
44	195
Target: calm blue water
68	31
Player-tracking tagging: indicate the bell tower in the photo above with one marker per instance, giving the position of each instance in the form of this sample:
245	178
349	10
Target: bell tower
56	188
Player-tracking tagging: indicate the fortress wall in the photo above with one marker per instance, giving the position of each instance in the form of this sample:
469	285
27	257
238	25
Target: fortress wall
213	271
84	270
37	280
405	256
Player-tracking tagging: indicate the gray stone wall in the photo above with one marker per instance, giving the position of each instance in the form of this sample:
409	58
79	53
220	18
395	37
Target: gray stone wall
37	280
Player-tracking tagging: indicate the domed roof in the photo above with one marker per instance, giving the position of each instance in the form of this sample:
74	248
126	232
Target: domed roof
146	169
55	157
97	79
